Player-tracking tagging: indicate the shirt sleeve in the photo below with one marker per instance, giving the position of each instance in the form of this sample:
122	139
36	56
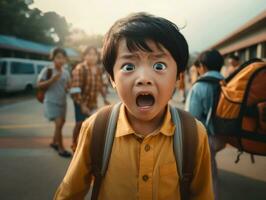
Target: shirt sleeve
77	180
43	74
76	83
100	80
195	102
201	185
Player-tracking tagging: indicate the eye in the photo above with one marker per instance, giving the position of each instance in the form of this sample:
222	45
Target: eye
159	66
128	67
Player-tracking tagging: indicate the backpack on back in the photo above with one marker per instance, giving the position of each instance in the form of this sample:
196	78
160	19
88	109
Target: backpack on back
239	110
40	93
185	146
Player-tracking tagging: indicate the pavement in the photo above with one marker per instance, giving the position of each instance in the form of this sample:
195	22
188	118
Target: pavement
31	170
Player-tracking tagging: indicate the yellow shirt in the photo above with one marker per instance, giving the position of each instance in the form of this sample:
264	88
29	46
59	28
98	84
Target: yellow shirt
139	168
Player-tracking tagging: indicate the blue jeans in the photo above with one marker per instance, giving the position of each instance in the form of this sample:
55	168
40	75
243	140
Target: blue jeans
79	116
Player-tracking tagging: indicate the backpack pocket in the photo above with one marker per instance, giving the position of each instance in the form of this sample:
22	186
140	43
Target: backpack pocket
262	117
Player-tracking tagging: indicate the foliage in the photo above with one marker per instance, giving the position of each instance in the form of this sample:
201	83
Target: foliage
17	19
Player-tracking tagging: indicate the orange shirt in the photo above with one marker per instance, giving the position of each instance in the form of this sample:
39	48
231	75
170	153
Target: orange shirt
139	168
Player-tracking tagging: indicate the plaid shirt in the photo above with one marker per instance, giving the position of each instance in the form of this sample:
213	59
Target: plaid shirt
90	84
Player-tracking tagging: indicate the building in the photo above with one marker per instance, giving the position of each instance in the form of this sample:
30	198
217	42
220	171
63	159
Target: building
19	48
249	41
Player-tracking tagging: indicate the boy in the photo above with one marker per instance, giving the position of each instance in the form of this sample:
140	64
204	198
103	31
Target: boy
87	83
143	55
234	63
201	99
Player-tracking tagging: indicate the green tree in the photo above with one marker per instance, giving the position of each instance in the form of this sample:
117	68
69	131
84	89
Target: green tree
17	19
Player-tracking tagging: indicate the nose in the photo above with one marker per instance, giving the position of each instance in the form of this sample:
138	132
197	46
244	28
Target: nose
144	77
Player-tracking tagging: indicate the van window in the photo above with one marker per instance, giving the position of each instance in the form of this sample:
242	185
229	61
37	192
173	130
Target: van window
22	68
39	68
3	67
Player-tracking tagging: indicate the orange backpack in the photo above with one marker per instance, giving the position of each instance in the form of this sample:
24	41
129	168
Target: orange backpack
240	112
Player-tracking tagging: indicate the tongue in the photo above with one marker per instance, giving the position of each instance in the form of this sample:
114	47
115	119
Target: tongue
145	100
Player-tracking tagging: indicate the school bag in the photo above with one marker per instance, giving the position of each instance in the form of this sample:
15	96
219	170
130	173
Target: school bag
239	109
185	146
40	92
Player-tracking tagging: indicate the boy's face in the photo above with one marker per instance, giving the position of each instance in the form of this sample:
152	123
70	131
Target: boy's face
59	59
145	81
201	70
91	57
233	62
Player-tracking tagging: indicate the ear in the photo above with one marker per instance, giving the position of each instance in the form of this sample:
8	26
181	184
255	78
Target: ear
112	81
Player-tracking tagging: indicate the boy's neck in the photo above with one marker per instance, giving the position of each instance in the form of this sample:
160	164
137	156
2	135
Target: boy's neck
146	127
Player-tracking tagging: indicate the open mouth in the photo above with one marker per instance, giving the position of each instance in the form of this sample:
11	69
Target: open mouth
145	100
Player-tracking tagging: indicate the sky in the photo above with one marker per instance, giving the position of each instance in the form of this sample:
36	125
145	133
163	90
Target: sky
203	22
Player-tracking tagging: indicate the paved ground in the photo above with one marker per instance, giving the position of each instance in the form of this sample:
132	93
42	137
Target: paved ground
30	170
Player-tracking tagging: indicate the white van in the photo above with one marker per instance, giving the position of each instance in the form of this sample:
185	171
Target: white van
18	74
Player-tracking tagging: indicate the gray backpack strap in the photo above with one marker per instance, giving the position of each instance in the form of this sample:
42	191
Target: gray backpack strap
103	134
110	134
178	138
185	148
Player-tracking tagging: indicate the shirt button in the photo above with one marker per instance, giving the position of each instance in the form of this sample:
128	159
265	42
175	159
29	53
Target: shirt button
145	178
147	147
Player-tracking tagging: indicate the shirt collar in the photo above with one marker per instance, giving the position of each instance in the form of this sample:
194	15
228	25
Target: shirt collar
124	127
213	73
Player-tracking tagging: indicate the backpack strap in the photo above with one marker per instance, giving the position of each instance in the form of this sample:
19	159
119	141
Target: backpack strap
49	73
185	148
208	79
216	88
101	144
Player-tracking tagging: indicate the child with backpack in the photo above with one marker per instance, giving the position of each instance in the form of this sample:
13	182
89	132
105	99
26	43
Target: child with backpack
55	80
142	148
201	100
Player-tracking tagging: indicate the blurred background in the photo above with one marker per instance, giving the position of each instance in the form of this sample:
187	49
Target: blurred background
29	29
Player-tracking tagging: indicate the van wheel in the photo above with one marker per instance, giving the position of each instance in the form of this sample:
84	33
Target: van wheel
28	88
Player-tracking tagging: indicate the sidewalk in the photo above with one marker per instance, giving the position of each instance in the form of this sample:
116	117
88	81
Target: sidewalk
31	170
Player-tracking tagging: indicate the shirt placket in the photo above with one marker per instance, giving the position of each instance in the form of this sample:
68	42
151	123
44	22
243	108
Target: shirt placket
146	169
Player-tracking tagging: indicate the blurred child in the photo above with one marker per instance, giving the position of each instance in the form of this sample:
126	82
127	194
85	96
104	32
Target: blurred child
86	84
55	96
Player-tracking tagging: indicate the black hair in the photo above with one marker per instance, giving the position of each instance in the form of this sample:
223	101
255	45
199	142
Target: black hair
136	29
196	63
234	57
56	51
211	59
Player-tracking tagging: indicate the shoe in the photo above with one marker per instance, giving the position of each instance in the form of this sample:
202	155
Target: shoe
54	146
64	154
